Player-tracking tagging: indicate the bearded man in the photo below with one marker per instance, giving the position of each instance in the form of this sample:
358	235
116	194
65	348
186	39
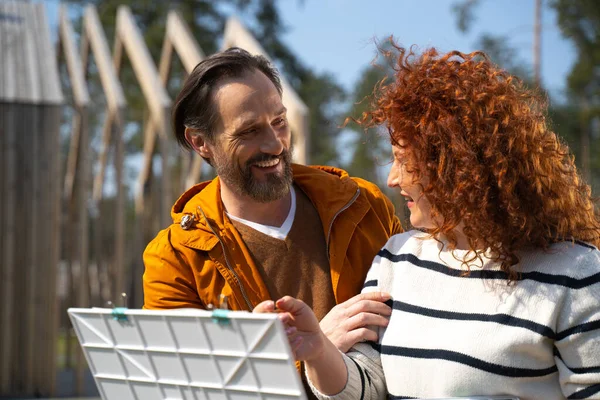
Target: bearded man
264	227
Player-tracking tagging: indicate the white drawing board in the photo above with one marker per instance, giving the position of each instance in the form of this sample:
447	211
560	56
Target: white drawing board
187	354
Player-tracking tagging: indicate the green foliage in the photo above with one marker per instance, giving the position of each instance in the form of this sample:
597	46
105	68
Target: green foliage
501	53
579	20
323	96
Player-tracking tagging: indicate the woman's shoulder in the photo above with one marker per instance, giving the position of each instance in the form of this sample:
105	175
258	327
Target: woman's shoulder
406	242
574	258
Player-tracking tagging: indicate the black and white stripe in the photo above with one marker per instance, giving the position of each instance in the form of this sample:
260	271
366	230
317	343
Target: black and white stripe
561	280
503	319
465	359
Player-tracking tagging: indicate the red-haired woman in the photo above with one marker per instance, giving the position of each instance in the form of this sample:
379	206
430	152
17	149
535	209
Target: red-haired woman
498	292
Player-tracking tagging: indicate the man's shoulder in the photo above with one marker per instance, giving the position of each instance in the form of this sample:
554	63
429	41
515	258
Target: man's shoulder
319	172
176	238
328	175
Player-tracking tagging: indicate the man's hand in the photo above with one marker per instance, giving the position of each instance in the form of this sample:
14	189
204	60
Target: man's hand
356	320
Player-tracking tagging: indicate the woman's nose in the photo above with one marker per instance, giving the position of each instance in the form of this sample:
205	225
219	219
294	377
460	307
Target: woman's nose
392	179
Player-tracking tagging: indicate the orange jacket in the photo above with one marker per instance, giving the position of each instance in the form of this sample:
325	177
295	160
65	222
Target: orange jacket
192	267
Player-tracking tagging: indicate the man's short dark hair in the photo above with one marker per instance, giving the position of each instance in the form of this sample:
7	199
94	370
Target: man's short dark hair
193	107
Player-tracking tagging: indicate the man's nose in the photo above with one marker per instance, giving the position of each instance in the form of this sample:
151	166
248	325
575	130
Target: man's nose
271	143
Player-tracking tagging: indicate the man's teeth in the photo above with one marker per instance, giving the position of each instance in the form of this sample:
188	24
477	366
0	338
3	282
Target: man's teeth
266	164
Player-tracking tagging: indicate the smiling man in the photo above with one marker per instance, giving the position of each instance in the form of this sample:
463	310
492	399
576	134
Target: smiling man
264	227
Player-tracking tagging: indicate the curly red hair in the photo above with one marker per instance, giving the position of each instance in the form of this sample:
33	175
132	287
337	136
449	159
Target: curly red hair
494	166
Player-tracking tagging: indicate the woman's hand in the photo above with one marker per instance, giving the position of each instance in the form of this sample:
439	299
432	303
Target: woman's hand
301	325
304	333
323	361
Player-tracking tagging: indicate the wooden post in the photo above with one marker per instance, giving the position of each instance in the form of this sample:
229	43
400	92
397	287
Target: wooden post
3	190
50	333
129	37
8	256
7	325
179	37
94	39
34	200
77	179
51	91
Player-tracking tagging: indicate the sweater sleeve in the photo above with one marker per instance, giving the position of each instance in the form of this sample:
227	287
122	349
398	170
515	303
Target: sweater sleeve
363	362
365	376
577	345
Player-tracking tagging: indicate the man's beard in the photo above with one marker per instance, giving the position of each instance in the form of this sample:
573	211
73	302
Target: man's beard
241	180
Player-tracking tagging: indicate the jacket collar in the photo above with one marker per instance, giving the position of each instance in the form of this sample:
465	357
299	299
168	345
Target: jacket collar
330	189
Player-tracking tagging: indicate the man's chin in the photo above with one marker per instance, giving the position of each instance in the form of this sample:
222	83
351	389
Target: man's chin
267	191
265	177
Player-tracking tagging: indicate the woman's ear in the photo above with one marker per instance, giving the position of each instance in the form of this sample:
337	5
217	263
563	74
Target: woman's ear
196	140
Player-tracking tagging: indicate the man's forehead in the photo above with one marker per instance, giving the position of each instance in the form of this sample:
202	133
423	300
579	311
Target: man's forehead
251	102
246	89
240	94
248	80
242	101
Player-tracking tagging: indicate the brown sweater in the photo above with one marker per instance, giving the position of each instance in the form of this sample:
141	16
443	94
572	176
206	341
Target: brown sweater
297	266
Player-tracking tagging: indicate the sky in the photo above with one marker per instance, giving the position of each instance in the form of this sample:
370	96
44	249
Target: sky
338	35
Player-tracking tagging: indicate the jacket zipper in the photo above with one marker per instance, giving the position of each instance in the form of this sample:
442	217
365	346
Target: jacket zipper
235	275
352	200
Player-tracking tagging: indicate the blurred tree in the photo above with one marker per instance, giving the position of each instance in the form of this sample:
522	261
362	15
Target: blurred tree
370	147
495	46
499	51
579	21
464	12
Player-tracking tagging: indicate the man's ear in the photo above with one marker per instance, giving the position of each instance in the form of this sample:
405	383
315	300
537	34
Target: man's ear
196	140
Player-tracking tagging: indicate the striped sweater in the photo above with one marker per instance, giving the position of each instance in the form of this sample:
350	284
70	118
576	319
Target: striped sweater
453	335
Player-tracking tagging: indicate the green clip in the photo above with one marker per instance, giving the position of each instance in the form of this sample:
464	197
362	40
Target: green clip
118	314
220	316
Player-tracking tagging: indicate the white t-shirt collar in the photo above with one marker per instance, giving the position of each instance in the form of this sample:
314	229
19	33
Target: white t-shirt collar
273	231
